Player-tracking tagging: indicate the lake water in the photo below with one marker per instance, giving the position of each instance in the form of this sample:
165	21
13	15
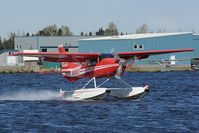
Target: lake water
27	105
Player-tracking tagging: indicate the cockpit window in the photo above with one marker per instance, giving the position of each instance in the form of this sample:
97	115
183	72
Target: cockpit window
91	62
108	55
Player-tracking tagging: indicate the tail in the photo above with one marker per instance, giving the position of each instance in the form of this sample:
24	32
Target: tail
67	66
61	49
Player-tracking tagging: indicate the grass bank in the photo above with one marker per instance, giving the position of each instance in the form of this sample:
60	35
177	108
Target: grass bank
135	68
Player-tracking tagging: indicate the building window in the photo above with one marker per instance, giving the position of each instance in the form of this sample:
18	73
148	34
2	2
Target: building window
135	47
44	50
141	47
138	47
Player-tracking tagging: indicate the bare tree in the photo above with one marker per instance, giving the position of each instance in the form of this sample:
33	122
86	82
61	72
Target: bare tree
1	44
66	31
143	29
53	30
111	30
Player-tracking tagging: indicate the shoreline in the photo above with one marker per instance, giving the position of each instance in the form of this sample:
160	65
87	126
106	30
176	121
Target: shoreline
135	68
157	68
26	69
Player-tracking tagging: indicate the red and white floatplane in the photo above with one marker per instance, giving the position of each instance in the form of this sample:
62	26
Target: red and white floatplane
76	66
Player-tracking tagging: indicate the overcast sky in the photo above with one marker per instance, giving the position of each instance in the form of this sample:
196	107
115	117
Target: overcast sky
89	15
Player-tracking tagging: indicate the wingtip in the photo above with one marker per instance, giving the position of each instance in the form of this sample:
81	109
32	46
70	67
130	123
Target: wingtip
189	49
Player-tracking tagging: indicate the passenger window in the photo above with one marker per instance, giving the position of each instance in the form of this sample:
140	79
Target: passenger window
91	62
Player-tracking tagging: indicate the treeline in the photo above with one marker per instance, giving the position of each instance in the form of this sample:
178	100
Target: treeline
51	30
109	31
7	43
54	30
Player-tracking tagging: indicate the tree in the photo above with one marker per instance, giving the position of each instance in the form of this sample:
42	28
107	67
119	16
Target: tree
53	30
40	33
100	32
90	33
66	31
9	44
4	43
111	30
82	33
50	30
1	44
60	33
27	34
142	29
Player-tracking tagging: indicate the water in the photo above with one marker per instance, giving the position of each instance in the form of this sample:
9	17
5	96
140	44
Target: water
27	105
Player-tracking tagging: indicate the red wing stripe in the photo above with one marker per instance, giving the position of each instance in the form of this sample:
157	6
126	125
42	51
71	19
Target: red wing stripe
82	57
145	54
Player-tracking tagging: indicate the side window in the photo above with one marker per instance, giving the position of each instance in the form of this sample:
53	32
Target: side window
91	62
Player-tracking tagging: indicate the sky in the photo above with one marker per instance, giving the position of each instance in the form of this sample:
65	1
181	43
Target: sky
89	15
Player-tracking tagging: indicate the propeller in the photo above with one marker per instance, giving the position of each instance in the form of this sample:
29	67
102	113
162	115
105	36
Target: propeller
122	64
120	69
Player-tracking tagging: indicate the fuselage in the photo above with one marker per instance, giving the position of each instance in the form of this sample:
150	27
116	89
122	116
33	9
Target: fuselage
105	67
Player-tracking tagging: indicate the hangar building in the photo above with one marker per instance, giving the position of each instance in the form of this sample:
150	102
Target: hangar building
108	44
140	42
46	44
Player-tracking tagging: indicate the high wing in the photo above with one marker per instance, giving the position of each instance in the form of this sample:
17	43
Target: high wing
59	57
146	54
63	56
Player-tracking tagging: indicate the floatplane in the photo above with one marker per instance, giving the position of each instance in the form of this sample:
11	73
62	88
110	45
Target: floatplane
76	66
167	64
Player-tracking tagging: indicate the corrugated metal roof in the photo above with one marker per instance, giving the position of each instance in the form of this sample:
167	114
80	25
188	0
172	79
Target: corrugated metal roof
136	36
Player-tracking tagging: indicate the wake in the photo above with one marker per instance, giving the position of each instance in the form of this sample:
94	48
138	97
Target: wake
31	95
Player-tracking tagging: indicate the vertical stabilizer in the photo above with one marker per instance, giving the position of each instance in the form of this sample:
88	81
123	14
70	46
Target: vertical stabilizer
61	49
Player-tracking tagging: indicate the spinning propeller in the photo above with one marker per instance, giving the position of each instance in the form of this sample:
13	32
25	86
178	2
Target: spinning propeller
122	64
